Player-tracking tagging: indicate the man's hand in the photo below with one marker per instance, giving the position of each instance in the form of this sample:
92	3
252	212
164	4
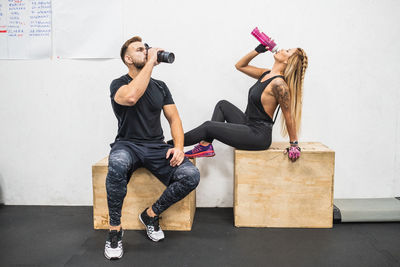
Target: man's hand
152	55
177	157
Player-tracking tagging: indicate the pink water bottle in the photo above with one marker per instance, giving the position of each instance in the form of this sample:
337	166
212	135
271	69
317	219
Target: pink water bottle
265	40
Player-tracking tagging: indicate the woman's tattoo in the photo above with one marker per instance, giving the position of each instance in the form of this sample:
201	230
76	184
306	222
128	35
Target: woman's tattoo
281	92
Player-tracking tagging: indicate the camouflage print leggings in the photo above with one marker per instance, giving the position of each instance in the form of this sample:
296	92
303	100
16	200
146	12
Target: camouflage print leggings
126	158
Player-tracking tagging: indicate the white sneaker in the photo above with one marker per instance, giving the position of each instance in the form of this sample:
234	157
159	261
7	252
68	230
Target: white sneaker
113	248
153	229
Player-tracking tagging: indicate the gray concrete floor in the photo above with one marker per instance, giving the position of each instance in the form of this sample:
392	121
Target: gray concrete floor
63	236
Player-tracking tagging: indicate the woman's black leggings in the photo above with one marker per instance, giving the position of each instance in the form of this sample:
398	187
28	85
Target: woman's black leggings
230	126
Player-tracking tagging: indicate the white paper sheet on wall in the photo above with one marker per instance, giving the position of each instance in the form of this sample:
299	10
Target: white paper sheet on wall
25	29
87	29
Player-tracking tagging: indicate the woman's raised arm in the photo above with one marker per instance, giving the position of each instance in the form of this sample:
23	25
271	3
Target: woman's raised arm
243	66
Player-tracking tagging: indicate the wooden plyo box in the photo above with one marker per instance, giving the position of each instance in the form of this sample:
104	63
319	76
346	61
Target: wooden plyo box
272	191
142	191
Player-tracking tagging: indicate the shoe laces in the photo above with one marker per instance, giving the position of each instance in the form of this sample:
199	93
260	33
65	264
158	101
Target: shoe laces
109	245
113	238
154	222
197	148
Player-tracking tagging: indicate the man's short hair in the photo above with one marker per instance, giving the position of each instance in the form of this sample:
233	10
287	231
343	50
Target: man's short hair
126	44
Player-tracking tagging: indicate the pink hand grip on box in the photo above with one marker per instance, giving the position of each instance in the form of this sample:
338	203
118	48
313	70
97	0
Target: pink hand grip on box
265	40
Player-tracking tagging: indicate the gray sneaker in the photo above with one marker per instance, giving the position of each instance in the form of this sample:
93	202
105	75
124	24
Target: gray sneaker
113	248
152	225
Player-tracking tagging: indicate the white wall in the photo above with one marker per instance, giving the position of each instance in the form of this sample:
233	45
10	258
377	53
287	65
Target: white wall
56	118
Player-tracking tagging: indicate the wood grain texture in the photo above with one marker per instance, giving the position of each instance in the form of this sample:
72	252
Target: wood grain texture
142	191
272	191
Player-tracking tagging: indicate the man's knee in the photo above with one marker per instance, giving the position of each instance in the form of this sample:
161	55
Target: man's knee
194	175
189	173
119	163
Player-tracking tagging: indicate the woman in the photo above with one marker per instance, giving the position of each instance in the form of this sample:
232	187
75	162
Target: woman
252	130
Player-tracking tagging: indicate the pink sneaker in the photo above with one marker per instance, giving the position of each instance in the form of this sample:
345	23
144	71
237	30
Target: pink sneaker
200	151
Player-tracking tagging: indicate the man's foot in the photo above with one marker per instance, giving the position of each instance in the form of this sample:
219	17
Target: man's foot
113	248
200	151
153	228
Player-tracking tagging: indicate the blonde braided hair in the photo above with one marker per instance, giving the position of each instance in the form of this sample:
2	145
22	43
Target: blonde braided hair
294	77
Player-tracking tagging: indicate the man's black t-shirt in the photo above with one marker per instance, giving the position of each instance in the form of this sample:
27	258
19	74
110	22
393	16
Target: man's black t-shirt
141	122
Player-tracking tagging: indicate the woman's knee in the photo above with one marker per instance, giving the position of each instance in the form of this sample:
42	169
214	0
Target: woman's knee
207	124
222	103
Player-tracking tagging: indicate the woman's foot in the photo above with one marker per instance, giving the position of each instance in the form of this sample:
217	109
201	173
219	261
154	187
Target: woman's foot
200	151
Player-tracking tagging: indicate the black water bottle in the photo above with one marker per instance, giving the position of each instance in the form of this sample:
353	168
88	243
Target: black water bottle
167	57
163	56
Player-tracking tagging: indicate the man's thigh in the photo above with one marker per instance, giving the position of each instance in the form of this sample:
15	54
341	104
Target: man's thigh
157	163
122	153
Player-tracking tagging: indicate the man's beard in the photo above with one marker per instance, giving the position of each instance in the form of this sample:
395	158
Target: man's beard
139	65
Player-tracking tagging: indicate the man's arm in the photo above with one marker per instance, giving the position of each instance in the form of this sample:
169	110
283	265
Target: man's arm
172	115
282	95
128	95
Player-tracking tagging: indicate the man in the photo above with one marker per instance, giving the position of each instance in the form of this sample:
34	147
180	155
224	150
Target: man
137	100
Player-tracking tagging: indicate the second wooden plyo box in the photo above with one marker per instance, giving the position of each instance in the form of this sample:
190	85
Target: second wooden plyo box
272	191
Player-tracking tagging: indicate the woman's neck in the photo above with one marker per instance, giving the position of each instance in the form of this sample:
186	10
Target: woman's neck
278	68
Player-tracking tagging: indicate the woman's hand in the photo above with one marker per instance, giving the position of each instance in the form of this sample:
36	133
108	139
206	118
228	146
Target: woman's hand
293	152
261	48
